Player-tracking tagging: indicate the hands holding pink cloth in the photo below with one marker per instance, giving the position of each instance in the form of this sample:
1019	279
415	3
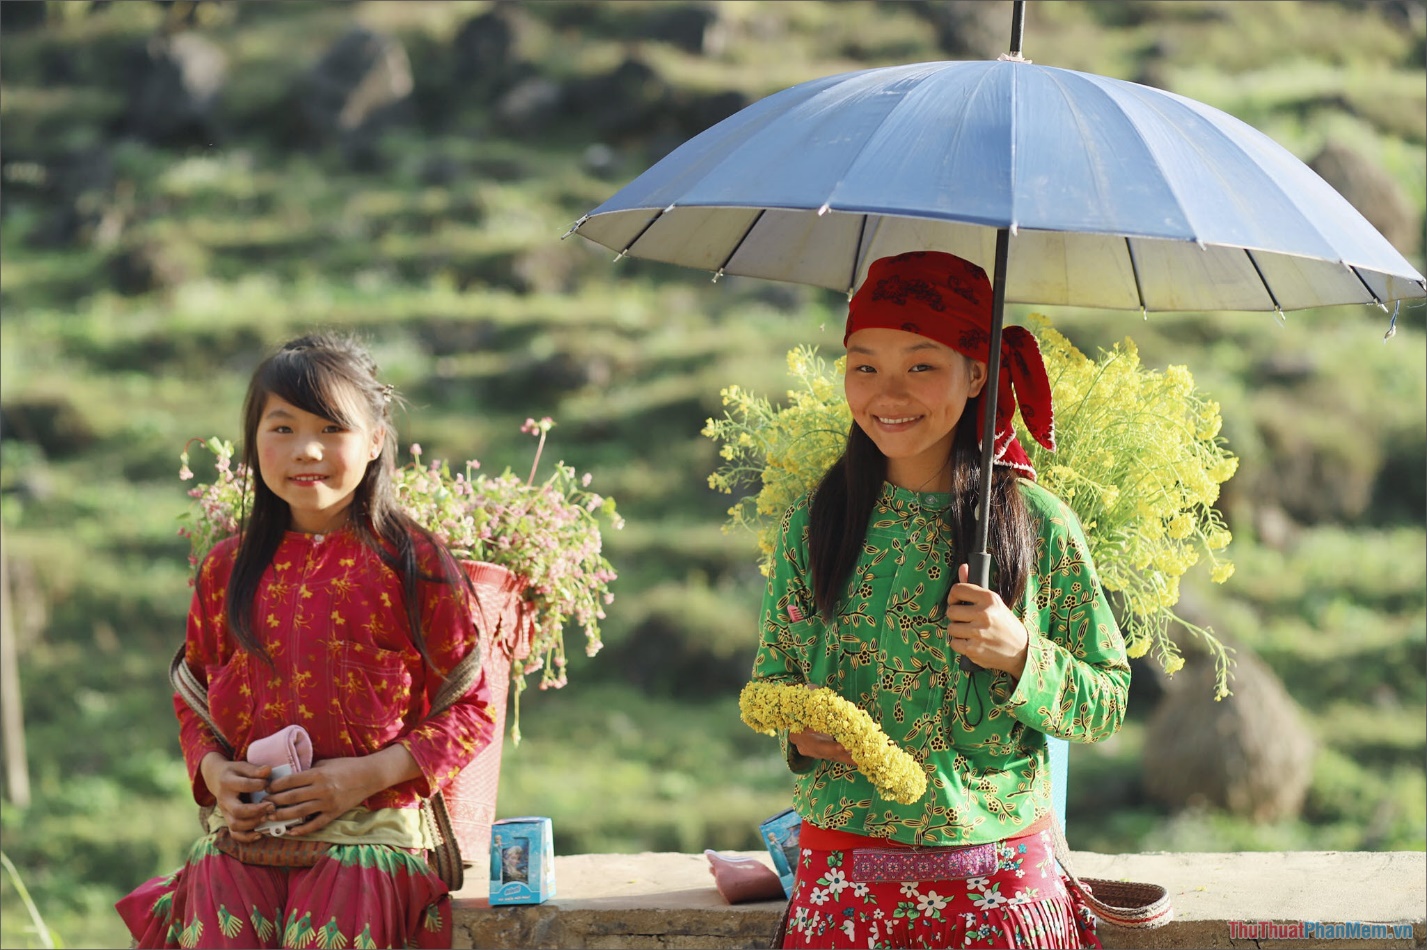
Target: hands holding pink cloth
288	750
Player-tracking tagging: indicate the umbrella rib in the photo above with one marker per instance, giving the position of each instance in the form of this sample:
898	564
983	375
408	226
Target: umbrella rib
1011	171
1135	269
1264	280
1366	286
857	256
739	243
642	231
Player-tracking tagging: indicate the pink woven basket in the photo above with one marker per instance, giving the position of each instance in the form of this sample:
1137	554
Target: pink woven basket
504	620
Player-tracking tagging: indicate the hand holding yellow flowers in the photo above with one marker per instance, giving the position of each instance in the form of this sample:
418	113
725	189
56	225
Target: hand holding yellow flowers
772	707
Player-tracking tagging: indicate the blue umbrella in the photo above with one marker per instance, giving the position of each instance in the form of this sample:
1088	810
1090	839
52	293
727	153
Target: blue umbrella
1067	187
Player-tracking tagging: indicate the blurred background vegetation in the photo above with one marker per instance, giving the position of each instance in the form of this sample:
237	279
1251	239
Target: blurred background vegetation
187	184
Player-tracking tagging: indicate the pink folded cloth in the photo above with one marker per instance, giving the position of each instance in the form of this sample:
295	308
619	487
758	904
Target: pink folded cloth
740	880
288	750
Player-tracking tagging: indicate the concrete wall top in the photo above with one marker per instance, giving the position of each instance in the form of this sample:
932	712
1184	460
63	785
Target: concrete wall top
667	900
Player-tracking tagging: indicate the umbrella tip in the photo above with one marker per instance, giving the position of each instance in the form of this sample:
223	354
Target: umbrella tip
1278	316
717	274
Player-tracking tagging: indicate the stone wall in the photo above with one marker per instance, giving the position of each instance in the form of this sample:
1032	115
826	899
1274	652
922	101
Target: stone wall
639	901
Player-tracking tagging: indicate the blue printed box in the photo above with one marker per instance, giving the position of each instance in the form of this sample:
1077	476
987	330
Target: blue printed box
780	834
522	861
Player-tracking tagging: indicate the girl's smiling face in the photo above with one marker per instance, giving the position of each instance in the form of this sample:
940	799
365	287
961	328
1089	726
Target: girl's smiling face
907	393
312	463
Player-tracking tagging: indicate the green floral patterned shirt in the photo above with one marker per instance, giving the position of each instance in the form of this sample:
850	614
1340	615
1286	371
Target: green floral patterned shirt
980	737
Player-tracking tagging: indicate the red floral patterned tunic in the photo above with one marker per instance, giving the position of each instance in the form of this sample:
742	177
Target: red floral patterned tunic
332	616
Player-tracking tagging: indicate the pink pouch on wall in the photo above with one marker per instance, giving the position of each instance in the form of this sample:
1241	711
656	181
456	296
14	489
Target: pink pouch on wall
741	879
287	750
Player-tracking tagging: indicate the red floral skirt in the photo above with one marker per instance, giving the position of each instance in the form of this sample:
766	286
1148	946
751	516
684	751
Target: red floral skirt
355	896
1019	899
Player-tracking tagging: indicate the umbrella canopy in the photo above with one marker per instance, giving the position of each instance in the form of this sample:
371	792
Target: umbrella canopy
1068	188
1116	195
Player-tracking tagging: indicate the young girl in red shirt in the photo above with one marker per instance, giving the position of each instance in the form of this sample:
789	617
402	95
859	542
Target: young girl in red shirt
333	611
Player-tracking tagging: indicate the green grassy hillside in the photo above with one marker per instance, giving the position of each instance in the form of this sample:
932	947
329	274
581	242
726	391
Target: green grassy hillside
144	274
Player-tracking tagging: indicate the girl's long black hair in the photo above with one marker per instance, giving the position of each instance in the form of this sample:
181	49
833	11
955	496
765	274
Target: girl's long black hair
330	375
842	505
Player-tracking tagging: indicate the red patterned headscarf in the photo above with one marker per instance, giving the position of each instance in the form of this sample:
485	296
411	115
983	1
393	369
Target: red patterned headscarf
947	299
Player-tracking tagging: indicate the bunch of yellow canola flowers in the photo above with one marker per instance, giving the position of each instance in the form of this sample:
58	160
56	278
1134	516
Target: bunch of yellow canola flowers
1139	459
782	449
769	708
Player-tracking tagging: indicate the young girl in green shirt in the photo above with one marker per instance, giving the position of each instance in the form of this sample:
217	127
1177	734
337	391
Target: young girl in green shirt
869	597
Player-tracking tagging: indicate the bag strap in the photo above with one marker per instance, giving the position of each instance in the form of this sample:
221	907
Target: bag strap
446	857
195	694
446	854
781	934
1125	904
461	678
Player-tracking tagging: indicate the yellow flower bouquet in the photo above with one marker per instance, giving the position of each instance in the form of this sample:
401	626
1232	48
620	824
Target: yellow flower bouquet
769	708
1139	460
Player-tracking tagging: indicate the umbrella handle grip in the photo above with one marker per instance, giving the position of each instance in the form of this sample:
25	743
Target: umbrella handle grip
978	568
978	572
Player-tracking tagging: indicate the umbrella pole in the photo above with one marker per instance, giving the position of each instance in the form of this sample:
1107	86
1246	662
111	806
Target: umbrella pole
979	562
1018	26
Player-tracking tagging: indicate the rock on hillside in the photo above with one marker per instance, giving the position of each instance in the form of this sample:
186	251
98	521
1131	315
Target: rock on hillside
1249	754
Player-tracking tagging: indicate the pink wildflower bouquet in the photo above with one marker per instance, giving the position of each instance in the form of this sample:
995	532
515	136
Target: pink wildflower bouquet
547	533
